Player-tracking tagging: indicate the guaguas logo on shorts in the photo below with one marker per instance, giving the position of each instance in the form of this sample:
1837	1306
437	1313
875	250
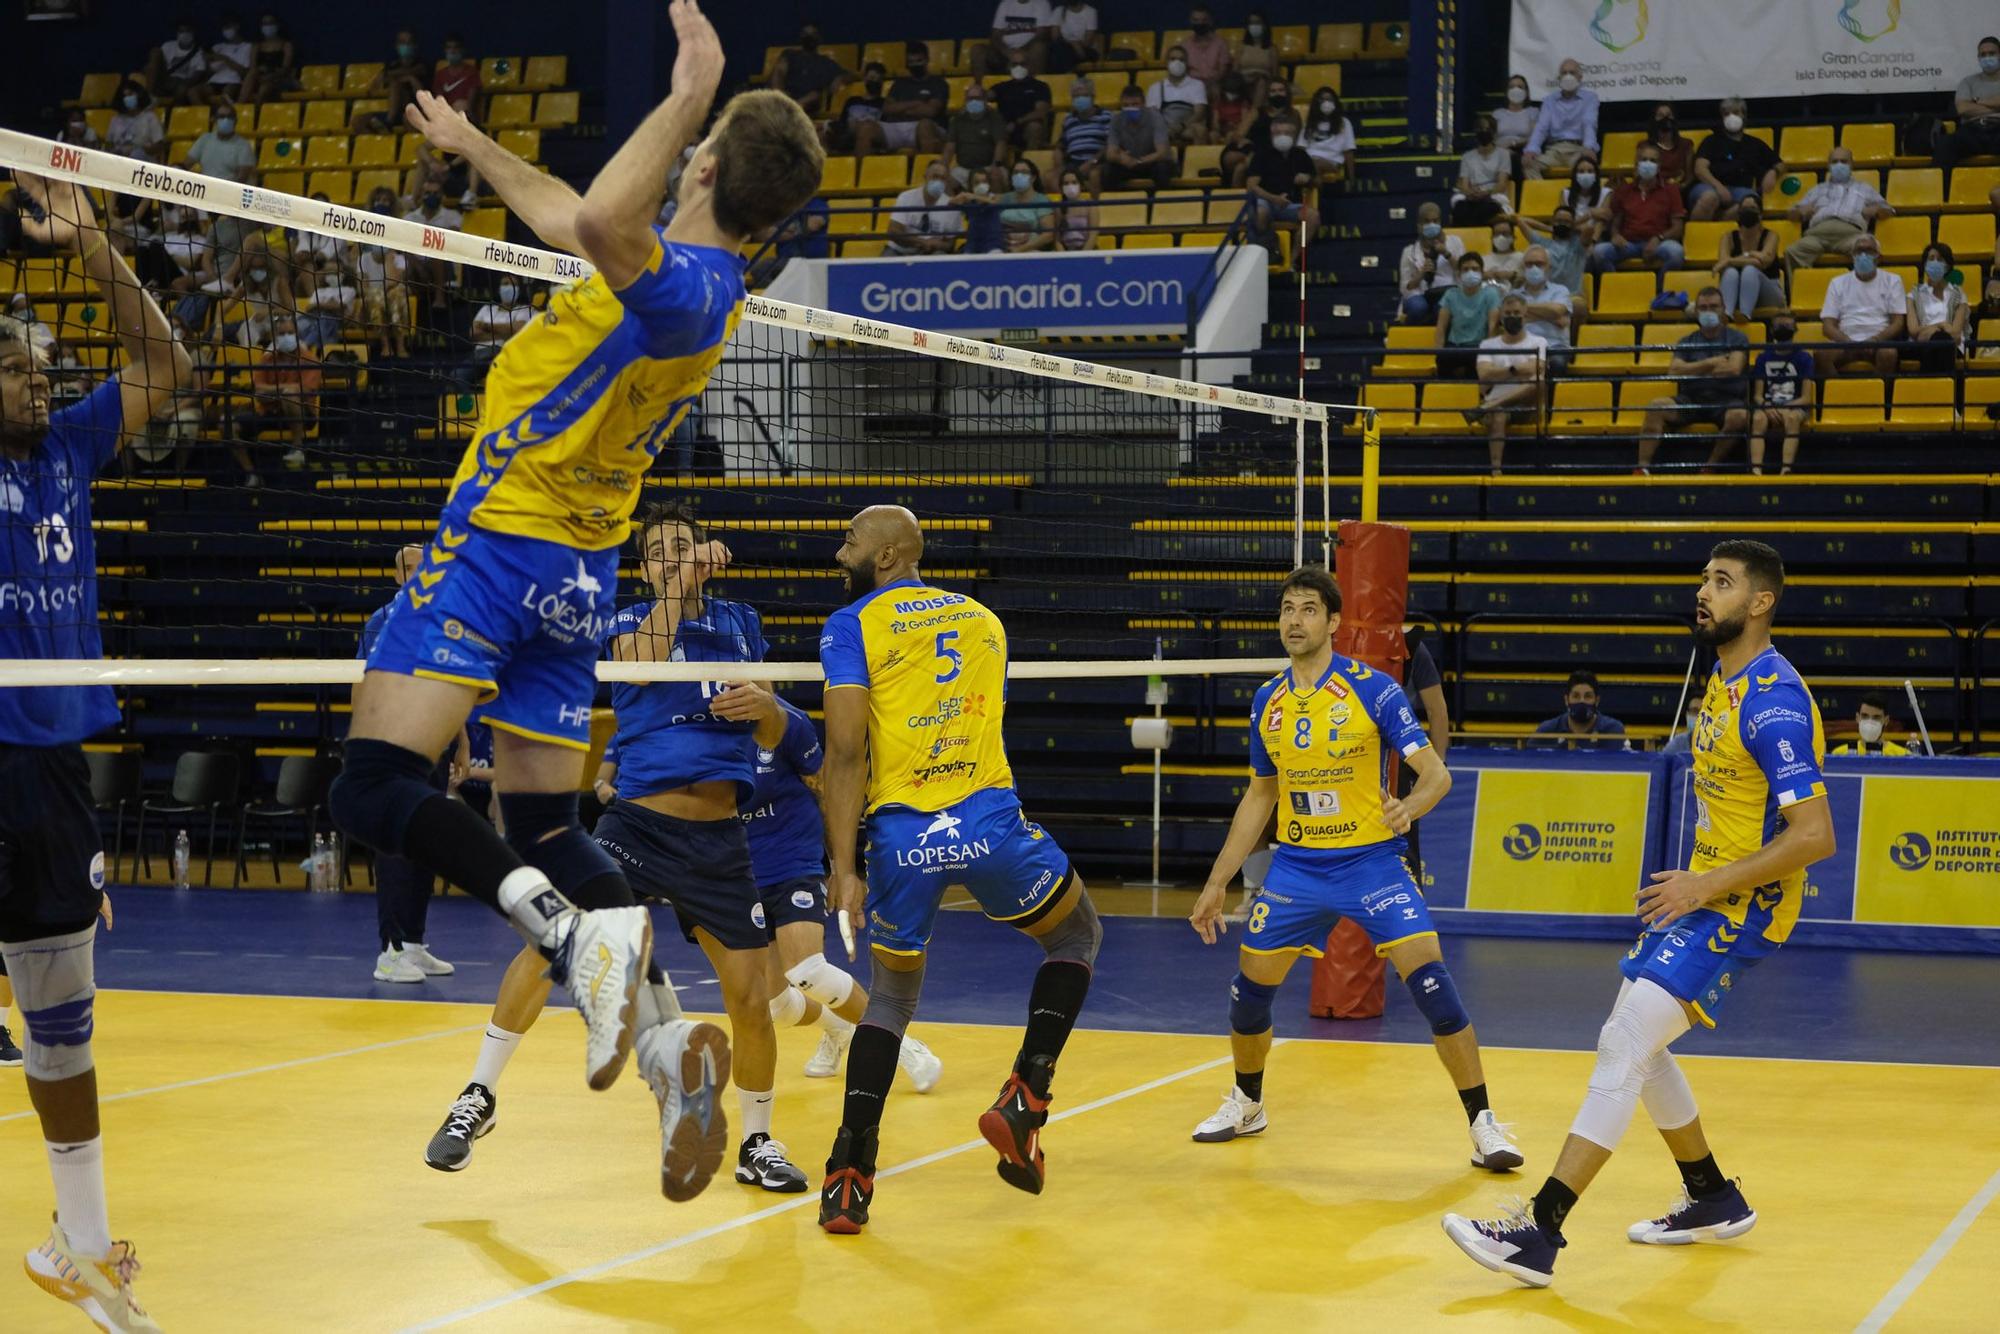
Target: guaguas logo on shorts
1619	24
1910	852
1869	20
1521	842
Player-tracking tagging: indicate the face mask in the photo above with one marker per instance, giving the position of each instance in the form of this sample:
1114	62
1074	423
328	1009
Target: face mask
131	101
185	40
452	55
1430	231
980	187
26	314
1071	190
270	30
77	130
1870	729
286	343
1840	173
934	188
1503	243
1511	323
1750	219
874	87
1484	138
1082	102
1534	275
1019	71
259	275
975	106
1569	83
1327	106
507	293
1580	712
1282	142
1648	170
1281	99
1022	181
1586	179
1254	29
1561	231
226	126
1989	64
1664	128
1470	279
1733	123
809	41
1864	266
1133	113
1782	333
1176	68
1517	97
1201	29
432	199
1935	270
1708	319
229	34
406	49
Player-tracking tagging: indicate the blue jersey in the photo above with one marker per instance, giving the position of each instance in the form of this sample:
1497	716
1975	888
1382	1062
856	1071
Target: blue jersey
667	738
371	630
787	841
48	586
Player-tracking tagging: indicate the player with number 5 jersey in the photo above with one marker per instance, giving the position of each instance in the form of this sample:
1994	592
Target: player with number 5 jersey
1321	733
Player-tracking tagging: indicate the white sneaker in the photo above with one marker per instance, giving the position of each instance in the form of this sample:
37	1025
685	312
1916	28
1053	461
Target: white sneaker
432	966
686	1063
397	966
920	1064
101	1289
1237	1117
1491	1149
826	1062
601	959
294	457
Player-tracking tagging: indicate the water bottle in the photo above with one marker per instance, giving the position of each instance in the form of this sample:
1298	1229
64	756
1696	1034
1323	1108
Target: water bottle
182	850
331	873
316	867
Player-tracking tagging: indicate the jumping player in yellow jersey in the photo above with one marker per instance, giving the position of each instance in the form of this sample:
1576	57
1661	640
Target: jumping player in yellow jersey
1761	820
504	619
916	686
1320	733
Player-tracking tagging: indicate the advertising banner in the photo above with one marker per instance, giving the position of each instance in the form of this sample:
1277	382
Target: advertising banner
1093	291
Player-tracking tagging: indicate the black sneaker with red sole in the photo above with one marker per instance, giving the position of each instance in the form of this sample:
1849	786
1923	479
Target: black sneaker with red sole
850	1182
1013	1126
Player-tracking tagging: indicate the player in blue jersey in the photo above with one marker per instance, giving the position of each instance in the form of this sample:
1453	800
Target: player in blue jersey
51	857
1761	819
1320	737
504	620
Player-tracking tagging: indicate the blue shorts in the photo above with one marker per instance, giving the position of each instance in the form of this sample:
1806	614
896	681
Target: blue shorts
699	868
518	619
1013	868
1308	890
788	901
1737	193
1698	959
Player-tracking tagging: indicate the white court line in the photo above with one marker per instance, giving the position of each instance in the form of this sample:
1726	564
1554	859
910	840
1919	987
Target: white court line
1930	1259
268	1069
703	1234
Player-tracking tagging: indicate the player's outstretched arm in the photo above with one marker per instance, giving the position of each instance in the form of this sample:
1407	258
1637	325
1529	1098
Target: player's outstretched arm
615	226
544	202
1245	831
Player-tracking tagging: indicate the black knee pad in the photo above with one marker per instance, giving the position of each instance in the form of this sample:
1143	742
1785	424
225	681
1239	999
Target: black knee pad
379	788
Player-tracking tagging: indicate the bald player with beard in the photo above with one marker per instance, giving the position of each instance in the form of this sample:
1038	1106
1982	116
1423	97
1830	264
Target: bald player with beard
916	688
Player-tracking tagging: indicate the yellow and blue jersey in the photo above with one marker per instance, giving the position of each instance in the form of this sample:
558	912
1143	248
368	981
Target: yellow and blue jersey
579	402
935	666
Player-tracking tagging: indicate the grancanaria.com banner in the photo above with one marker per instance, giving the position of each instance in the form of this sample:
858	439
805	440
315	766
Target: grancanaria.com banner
1633	49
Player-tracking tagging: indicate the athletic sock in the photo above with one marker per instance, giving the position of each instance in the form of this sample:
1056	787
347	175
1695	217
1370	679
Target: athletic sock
756	1111
1053	1005
78	1171
1251	1085
495	1050
1474	1101
871	1068
1552	1205
1704	1179
834	1024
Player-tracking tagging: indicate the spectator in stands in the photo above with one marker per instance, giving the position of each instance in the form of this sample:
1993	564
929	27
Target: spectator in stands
1428	265
1587	195
1138	150
924	221
1644	218
1207	53
1977	108
1514	123
1256	58
1468	313
500	319
1182	99
1834	212
1747	267
982	202
191	253
274	65
1871	719
1281	172
136	129
1708	366
456	79
228	62
76	130
1581	726
1503	261
808	77
428	276
453	176
1076	216
257	291
1027	218
801	236
402	75
233	157
1783	386
1229	110
177	71
1866	312
1021	33
1485	179
976	138
1512	367
1077	40
1085	132
385	301
861	108
1027	105
1566	127
1567	248
913	115
1255	132
1730	167
309	246
1676	153
285	385
1940	317
1328	133
1548	311
328	303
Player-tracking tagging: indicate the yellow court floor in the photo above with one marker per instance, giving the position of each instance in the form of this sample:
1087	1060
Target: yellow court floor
266	1156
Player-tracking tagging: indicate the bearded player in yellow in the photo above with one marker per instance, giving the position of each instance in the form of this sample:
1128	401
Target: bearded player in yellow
504	620
1761	820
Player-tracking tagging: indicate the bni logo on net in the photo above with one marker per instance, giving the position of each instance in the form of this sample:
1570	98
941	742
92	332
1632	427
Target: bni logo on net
1619	24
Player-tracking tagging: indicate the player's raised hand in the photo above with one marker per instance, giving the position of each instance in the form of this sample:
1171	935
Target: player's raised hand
442	125
712	557
1395	814
698	65
66	214
1671	896
1206	919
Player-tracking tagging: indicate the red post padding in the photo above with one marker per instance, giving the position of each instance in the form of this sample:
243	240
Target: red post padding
1372	565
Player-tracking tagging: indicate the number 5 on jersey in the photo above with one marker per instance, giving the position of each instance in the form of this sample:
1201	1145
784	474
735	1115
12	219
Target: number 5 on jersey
946	653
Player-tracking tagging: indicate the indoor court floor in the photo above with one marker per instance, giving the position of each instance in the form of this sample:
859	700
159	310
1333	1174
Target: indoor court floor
267	1106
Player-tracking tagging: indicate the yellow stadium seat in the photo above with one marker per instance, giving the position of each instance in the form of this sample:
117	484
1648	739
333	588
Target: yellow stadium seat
1806	145
360	79
1044	161
1445	404
1108	84
1982	392
372	150
1658	342
1903	238
500	72
1395	404
1178	213
883	172
187	122
850	221
1625	294
1809	289
1473	238
1872	145
865	247
1202	163
326	151
98	90
320	80
284	182
506	111
1787	230
325	117
1387	41
1778	201
1690	281
1924	403
277	153
100	120
1291	40
1123	208
1224	212
1581	407
1916	189
1309	79
1202	240
1634	395
1851	404
1147	241
837	174
845	54
1410	350
944	54
278	118
889	55
178	149
338	186
367	183
1972	189
490	223
1620	150
1540	198
1142	45
545	72
1604	349
1703	241
523	144
1338	41
1967	233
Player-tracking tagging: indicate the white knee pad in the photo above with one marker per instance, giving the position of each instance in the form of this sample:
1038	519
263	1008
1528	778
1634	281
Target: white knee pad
1669	1100
788	1007
56	987
821	981
1643	1022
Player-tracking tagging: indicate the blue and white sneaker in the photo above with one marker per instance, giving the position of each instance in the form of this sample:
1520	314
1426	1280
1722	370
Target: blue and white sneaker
1513	1245
1717	1218
686	1063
